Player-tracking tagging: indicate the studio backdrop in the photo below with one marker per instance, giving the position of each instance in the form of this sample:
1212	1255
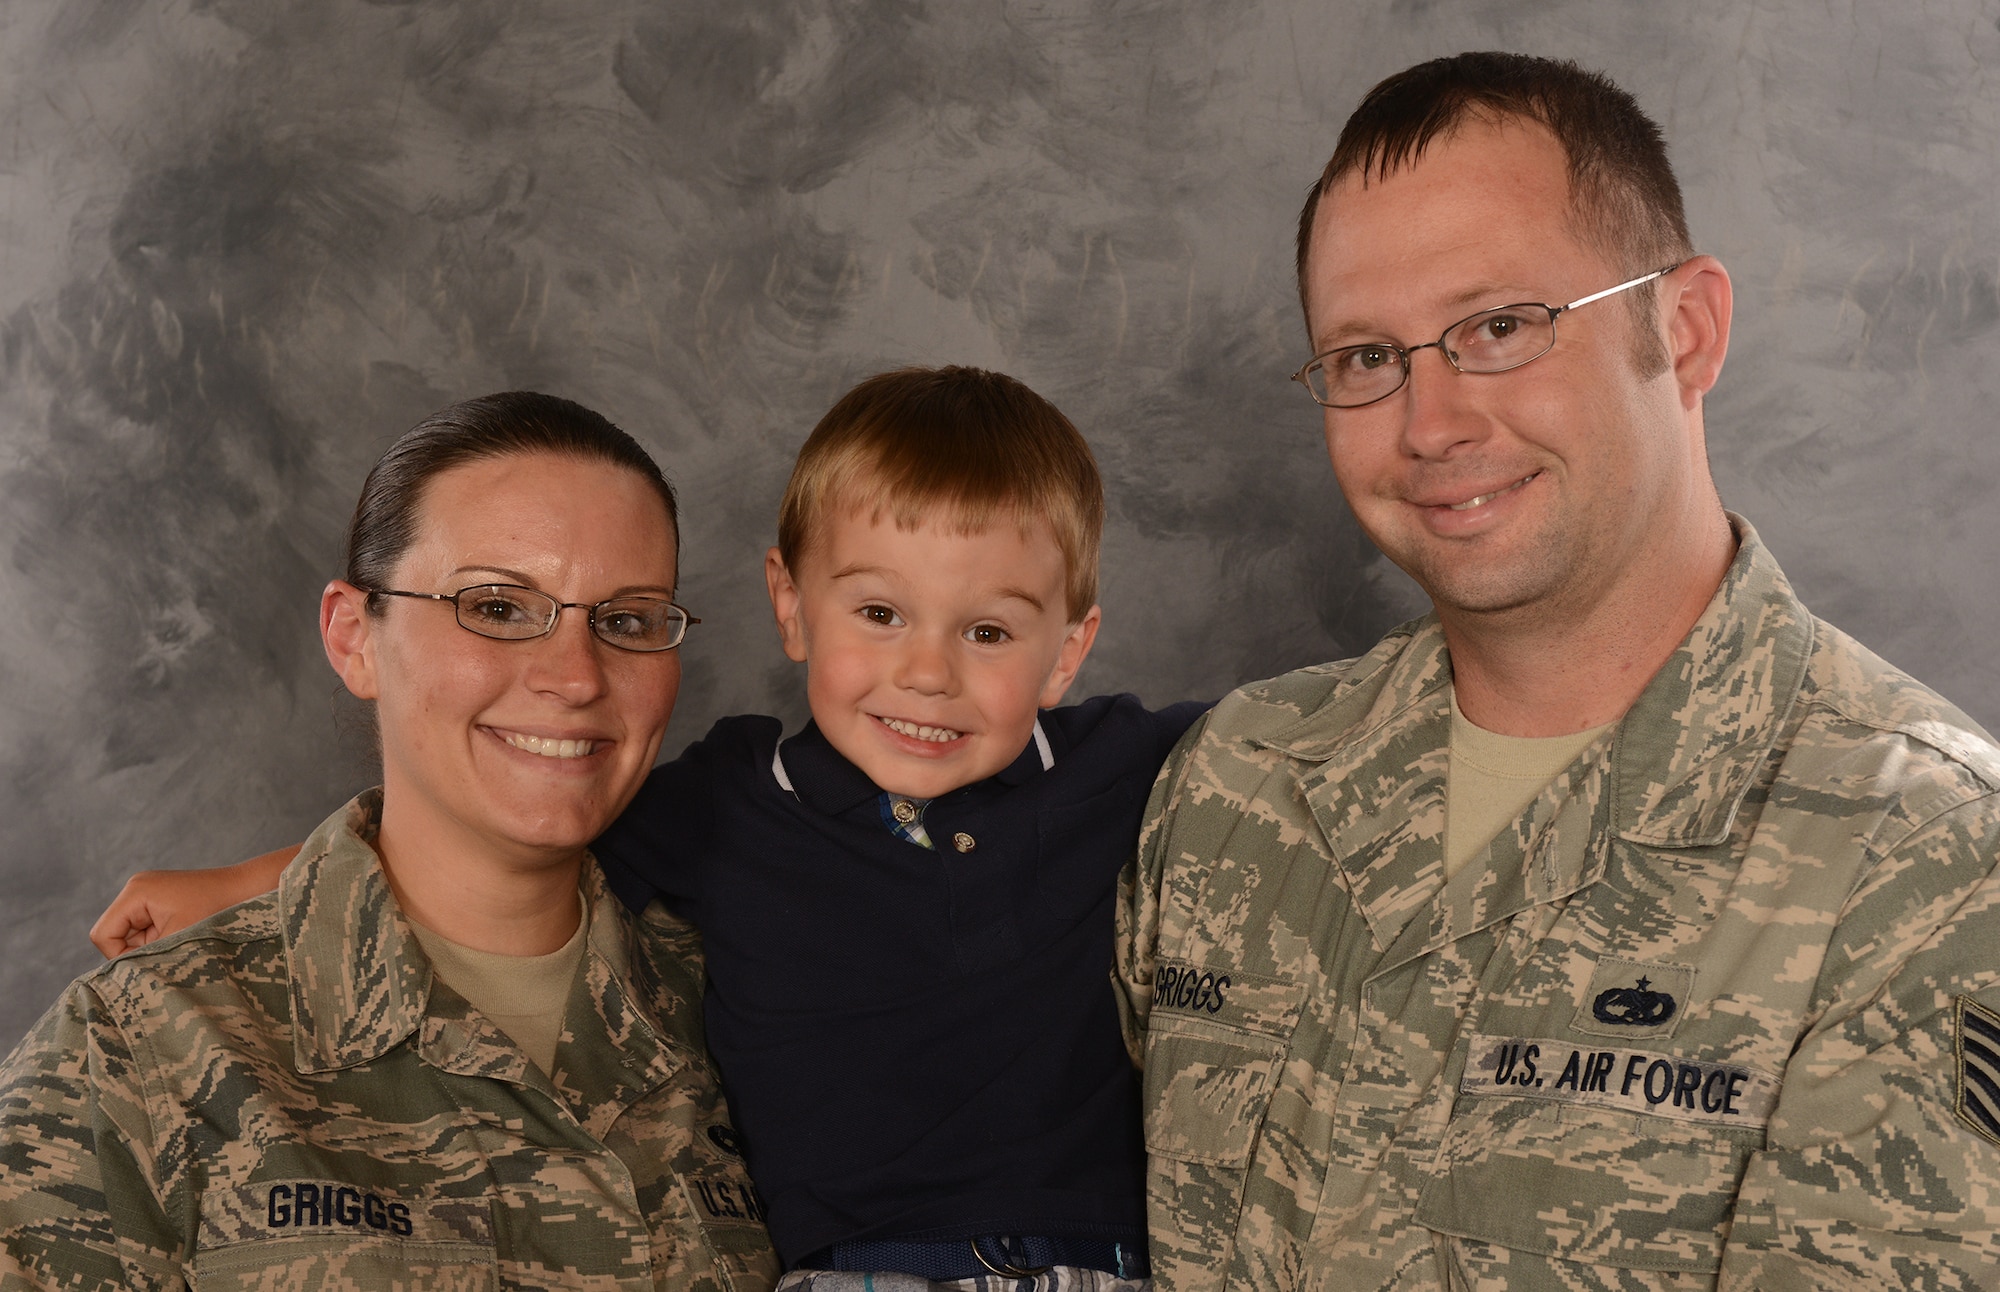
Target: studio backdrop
245	243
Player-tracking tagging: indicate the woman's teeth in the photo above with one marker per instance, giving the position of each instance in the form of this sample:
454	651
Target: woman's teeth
938	735
547	746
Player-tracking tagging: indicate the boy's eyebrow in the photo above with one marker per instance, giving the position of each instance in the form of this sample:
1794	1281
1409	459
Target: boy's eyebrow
1008	593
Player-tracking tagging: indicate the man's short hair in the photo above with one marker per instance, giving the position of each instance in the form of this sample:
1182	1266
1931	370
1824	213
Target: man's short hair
962	446
1624	199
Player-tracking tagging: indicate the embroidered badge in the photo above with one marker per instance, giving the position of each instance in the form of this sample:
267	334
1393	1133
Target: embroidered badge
1635	1006
724	1138
1634	1000
1979	1068
1720	1094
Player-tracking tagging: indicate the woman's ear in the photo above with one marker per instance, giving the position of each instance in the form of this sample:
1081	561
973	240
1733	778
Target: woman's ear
348	634
785	605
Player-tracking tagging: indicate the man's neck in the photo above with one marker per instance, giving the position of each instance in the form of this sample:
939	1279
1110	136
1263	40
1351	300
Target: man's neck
1551	671
458	886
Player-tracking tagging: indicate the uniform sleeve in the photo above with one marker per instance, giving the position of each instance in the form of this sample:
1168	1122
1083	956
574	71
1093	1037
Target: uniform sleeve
1174	720
1138	903
78	1204
656	846
1882	1163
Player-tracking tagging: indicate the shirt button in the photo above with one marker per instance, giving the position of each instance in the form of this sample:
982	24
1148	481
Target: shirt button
903	810
964	842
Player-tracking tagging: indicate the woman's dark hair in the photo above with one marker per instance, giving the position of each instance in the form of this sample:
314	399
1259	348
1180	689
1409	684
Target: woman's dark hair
492	426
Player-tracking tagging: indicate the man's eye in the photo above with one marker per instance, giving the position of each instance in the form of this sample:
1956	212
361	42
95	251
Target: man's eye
1367	358
987	634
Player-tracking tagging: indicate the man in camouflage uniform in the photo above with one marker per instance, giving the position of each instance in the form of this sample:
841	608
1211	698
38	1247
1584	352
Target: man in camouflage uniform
1721	1003
285	1096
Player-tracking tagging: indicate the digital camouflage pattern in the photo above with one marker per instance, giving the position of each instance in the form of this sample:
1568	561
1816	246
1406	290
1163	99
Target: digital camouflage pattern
1692	1019
283	1096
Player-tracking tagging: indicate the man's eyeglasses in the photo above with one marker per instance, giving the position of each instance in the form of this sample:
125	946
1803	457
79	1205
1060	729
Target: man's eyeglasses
1494	340
512	613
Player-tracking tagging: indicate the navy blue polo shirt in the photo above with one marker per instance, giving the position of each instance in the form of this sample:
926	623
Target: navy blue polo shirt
915	1044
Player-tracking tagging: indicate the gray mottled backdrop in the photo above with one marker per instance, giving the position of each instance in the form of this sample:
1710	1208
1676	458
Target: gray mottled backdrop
243	243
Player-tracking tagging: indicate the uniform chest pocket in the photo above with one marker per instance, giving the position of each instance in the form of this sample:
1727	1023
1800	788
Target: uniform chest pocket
342	1262
1215	1039
1589	1184
323	1234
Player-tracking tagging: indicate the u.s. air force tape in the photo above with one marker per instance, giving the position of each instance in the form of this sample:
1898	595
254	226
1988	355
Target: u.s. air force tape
1636	1081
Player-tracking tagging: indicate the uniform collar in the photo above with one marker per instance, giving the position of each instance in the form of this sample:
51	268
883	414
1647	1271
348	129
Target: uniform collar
809	766
1683	756
361	984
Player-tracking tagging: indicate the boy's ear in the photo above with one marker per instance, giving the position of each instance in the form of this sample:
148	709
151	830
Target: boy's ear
1075	649
348	633
785	605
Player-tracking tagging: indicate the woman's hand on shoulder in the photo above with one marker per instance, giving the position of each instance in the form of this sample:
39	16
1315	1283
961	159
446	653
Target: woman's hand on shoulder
154	903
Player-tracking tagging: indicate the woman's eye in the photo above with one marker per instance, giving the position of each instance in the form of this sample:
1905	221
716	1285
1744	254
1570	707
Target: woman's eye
498	610
987	634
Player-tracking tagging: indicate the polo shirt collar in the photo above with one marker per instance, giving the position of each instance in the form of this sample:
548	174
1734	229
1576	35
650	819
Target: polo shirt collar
824	779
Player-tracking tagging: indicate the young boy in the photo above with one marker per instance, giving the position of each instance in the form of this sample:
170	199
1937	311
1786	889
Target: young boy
906	906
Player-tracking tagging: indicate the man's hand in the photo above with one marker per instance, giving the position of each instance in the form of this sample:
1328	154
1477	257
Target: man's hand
154	903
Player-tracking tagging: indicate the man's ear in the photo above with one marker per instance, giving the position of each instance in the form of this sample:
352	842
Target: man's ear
1075	649
1698	299
349	636
785	605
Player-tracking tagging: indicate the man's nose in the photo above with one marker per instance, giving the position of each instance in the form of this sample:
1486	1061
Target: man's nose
1440	412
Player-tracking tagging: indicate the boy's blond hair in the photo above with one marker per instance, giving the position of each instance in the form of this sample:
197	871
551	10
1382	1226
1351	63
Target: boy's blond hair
962	443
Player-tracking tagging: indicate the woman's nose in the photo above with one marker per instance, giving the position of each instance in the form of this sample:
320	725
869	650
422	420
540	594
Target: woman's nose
569	662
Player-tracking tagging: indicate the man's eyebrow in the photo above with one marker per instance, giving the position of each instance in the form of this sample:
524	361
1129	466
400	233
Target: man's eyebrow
1362	333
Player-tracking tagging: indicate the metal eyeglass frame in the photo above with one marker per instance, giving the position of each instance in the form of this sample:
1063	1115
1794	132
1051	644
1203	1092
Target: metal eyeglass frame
590	608
1403	355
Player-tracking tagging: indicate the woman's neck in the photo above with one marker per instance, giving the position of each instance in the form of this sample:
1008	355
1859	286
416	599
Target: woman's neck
477	891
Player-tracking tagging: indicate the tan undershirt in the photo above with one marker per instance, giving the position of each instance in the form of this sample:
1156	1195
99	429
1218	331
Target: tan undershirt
523	996
1492	780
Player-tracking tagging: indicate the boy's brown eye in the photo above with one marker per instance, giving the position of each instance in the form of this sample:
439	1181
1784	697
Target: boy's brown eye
988	635
878	614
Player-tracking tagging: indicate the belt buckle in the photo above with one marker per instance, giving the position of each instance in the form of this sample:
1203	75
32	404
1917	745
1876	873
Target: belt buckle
1006	1268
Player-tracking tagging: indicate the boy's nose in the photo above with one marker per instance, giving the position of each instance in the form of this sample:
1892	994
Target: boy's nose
925	666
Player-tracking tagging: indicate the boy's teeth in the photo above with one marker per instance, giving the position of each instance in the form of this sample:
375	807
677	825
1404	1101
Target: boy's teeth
547	746
911	729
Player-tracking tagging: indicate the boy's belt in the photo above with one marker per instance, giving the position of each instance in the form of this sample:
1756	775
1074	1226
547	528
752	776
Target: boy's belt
1013	1255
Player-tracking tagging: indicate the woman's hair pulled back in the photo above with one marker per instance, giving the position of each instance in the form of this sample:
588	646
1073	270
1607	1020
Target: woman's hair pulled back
473	430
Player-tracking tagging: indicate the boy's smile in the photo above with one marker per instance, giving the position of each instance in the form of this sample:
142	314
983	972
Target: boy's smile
929	651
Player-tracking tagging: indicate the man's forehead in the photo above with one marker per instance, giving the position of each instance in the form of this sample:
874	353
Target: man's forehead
1482	212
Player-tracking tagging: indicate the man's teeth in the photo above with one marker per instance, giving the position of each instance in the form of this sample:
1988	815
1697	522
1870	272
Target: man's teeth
915	732
1485	498
547	746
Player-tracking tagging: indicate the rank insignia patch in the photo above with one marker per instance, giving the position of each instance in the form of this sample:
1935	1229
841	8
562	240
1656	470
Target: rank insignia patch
1979	1068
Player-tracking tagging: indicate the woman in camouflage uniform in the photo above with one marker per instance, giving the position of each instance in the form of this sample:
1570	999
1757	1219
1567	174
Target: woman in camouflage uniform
441	1054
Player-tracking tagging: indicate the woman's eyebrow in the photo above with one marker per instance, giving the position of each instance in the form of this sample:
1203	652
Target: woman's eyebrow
510	576
525	581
